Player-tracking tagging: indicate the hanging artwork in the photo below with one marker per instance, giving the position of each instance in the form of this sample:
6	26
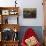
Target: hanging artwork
29	12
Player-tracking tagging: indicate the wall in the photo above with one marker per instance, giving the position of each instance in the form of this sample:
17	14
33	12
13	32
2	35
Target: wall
27	4
38	30
32	22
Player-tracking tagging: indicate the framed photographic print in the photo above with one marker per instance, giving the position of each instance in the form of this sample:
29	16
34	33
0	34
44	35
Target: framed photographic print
13	12
29	12
5	12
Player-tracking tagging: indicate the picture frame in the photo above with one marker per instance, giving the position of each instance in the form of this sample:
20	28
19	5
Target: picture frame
5	12
29	12
13	12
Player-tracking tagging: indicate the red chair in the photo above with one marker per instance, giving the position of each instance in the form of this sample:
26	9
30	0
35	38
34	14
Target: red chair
29	33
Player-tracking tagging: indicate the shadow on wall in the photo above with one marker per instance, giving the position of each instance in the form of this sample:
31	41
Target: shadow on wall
37	29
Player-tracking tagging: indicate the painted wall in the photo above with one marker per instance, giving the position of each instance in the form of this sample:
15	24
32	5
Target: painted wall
37	29
32	22
27	4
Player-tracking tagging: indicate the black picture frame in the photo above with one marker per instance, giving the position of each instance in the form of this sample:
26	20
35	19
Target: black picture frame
29	12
